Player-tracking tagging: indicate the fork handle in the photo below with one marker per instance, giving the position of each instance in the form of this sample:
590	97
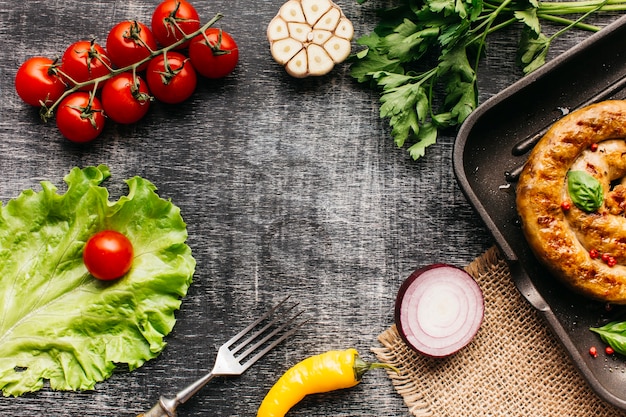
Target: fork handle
166	407
159	410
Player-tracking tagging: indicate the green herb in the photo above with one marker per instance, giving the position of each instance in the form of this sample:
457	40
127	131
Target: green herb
614	335
423	56
58	323
585	190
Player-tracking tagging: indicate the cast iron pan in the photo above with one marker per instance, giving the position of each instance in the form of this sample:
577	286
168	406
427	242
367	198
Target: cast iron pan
489	152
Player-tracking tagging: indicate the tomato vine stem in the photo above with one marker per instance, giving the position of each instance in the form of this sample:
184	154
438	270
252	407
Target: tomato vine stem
48	112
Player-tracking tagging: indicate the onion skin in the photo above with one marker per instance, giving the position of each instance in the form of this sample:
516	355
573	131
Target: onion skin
439	309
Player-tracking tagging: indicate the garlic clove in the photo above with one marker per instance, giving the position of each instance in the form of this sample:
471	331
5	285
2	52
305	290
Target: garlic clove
345	29
300	32
314	9
285	49
337	48
319	61
329	20
298	65
292	12
320	37
277	29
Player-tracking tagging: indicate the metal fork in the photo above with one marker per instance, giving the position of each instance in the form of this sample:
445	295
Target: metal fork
238	354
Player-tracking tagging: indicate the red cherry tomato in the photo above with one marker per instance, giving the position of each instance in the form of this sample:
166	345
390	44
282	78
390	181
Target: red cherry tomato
171	77
37	81
214	54
172	19
129	42
84	61
108	255
125	98
79	117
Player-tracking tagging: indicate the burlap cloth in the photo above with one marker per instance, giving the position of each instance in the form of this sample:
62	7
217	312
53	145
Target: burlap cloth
513	367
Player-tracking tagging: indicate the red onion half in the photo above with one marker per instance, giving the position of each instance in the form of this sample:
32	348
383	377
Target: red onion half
439	309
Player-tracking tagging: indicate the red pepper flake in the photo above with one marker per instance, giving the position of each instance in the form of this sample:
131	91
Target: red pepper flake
593	147
609	350
605	257
566	205
593	253
611	261
593	351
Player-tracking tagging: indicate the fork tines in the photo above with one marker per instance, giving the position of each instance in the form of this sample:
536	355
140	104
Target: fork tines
265	333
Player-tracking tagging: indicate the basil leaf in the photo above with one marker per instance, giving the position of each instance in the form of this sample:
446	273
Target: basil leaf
585	190
614	335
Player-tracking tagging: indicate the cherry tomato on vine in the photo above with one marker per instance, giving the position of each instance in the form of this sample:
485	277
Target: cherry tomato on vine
80	117
171	78
129	42
125	98
83	61
108	255
37	81
214	54
172	19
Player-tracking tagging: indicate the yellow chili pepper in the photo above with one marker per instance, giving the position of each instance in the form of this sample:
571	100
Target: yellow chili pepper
335	369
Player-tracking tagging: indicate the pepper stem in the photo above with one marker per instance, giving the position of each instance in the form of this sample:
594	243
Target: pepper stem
361	367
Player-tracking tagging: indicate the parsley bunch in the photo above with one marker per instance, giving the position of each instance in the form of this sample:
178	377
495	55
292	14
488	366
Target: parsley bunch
423	56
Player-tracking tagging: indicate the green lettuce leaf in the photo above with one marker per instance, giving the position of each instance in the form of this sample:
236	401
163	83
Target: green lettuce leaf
57	322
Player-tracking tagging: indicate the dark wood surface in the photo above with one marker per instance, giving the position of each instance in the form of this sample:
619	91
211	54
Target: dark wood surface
287	186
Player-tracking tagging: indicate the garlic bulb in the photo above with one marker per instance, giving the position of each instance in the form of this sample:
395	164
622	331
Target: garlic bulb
308	37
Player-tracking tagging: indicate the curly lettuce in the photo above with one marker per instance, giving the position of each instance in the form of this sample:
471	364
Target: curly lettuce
60	325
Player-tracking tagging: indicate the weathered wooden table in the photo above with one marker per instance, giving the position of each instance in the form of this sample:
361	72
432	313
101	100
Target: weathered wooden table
287	186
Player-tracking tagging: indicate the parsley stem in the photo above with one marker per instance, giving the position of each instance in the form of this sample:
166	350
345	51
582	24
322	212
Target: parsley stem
556	9
485	28
579	20
568	22
580	6
502	25
566	7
